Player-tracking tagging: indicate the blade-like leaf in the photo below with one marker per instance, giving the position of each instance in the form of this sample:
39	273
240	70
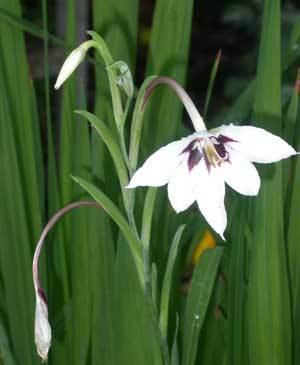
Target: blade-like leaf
198	298
117	216
167	282
268	299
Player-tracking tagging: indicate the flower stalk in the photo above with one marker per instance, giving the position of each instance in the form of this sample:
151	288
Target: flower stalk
192	111
42	331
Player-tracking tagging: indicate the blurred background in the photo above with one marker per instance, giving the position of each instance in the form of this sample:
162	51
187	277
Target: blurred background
231	26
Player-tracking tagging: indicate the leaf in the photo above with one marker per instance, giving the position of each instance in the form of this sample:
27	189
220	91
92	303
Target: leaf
113	147
167	282
117	216
175	353
237	292
137	339
147	217
292	236
268	300
212	78
197	302
6	354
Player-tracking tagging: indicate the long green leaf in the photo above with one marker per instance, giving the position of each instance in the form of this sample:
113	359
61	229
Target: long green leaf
111	144
268	301
117	216
136	336
293	233
167	282
197	302
237	289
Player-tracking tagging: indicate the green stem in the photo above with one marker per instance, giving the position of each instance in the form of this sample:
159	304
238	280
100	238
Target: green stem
144	272
99	44
124	150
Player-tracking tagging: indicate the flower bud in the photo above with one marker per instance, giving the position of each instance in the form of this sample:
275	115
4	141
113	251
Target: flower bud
124	79
71	63
42	332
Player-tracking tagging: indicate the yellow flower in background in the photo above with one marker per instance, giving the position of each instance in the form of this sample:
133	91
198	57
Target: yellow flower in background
207	241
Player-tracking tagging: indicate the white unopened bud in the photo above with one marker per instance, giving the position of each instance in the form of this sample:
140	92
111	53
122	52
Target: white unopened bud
42	331
71	63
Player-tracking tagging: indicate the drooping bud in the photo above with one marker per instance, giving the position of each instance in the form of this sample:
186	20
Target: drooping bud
124	79
42	331
71	63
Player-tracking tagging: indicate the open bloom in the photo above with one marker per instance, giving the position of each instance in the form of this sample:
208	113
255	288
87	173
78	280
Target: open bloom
197	167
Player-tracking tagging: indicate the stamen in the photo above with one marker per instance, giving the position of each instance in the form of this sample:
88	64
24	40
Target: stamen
215	151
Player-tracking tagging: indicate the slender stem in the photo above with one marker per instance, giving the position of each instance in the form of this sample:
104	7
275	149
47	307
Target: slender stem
147	271
122	138
99	44
195	116
48	227
120	117
127	105
124	150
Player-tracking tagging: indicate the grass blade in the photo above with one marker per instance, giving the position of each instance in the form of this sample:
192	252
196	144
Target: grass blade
268	304
197	303
211	82
167	282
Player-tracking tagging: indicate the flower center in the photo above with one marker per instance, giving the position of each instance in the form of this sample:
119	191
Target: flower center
214	151
211	148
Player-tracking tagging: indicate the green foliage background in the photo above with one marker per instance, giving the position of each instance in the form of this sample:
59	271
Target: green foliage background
243	304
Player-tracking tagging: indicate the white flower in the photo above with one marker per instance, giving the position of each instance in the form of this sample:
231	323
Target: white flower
197	167
71	63
42	331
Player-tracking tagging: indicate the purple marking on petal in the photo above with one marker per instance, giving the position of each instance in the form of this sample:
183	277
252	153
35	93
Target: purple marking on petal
43	295
224	139
220	148
207	163
188	148
194	158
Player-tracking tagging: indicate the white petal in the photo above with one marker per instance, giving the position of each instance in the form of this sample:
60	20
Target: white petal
210	198
241	174
71	63
257	144
160	166
181	188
